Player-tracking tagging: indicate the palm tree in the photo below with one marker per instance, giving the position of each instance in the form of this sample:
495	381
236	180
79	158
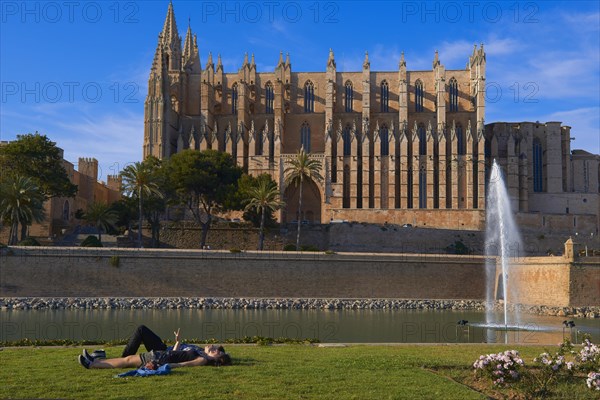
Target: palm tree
302	169
21	202
101	216
139	180
264	197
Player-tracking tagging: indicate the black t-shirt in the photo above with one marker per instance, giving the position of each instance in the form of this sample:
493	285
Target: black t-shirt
176	356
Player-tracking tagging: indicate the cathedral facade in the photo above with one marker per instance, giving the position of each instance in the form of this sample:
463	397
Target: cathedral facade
395	146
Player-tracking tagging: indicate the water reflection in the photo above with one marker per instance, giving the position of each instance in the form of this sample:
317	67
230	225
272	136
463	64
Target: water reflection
345	326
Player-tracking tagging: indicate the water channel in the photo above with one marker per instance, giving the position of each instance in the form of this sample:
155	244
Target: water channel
337	326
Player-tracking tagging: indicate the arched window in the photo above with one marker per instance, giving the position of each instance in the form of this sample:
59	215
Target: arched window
385	96
346	187
460	141
234	98
346	137
538	184
422	188
453	91
260	138
422	140
419	96
269	98
305	137
66	210
385	140
223	141
309	97
349	95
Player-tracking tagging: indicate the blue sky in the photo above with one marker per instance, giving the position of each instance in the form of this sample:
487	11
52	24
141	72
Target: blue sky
77	71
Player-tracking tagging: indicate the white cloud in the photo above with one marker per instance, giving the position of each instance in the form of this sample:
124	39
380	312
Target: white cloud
455	53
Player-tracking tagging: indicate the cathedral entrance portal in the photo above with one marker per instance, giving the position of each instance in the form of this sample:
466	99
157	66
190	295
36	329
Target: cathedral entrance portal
311	204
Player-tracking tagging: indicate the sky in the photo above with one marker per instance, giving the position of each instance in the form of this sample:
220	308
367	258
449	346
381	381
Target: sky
77	71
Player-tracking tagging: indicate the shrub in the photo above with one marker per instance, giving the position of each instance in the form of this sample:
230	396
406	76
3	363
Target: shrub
114	261
29	241
502	368
589	357
234	250
593	380
309	247
91	241
329	252
550	368
289	247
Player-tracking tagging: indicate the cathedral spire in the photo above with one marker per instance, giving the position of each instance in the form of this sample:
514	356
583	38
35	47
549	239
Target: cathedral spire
209	61
331	60
245	60
188	47
402	61
280	62
436	59
157	61
287	60
252	63
219	62
366	63
170	33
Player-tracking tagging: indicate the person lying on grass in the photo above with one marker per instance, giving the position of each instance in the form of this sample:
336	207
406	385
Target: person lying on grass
157	354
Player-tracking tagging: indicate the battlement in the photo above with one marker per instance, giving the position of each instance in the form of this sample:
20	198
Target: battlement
114	182
88	167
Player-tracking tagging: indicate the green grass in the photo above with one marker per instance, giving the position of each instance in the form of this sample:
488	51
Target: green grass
268	372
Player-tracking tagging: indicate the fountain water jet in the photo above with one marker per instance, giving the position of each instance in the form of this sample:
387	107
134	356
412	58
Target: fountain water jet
502	240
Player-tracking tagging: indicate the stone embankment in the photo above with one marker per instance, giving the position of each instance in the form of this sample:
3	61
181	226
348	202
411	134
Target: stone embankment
164	303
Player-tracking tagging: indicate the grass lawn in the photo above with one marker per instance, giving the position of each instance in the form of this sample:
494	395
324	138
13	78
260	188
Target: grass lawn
273	372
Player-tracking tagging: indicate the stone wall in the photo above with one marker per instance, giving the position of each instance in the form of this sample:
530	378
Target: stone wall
73	272
362	237
440	218
554	281
76	272
585	282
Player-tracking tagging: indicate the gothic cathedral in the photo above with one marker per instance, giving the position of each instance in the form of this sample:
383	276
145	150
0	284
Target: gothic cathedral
395	146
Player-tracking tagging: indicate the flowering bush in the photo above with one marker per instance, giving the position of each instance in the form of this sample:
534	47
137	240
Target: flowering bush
589	356
593	380
502	368
554	363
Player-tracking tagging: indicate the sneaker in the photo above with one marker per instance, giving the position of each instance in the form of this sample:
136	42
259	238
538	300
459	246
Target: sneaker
98	354
87	355
85	363
95	355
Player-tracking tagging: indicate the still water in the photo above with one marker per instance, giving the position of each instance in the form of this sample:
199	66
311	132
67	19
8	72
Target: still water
339	326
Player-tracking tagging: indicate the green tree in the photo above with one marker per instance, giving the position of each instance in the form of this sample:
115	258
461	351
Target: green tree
36	157
139	180
126	209
299	170
264	198
245	185
102	216
205	182
21	202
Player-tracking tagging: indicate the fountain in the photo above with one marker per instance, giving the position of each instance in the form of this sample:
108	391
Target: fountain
502	240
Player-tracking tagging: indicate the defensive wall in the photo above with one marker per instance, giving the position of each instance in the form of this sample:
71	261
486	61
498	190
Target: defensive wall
554	281
98	272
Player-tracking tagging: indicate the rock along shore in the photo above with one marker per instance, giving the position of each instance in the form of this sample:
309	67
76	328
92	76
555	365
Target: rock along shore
167	303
